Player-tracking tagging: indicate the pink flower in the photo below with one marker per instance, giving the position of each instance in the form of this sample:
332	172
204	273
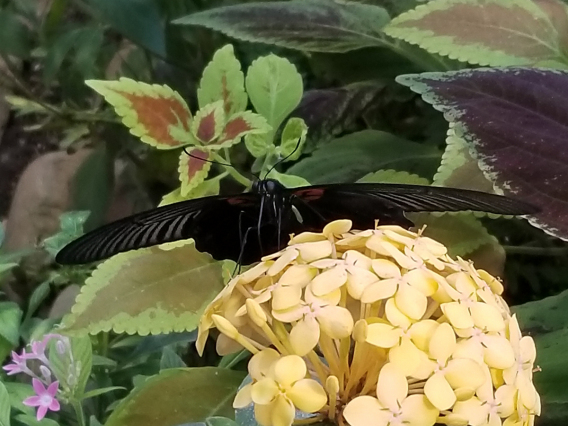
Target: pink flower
39	346
18	364
45	398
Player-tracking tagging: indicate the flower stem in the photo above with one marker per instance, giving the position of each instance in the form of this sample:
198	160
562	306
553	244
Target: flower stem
78	407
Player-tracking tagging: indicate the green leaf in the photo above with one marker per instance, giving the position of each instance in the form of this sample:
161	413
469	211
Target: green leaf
311	25
10	318
288	180
491	32
138	20
101	391
15	36
293	139
72	367
170	359
259	144
38	296
17	392
33	421
240	125
4	406
193	171
153	290
349	158
177	396
156	114
71	225
274	87
223	80
220	421
208	123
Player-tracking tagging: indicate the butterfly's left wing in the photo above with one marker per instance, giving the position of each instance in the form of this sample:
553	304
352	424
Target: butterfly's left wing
216	223
364	203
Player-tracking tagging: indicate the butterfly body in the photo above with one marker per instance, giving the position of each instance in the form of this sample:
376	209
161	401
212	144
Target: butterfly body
244	227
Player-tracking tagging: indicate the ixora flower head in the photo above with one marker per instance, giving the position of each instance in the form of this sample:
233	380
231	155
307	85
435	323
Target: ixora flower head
375	328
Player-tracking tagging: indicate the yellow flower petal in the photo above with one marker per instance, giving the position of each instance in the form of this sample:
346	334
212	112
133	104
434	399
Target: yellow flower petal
335	321
331	298
243	397
289	369
261	363
283	412
304	335
337	227
307	395
472	409
383	335
458	314
395	316
225	327
358	279
406	357
487	317
366	411
297	275
314	250
358	259
464	373
379	290
286	297
439	392
505	397
417	411
264	391
421	333
253	273
498	352
392	387
287	257
469	348
385	268
422	280
411	301
289	315
527	350
443	343
263	414
328	281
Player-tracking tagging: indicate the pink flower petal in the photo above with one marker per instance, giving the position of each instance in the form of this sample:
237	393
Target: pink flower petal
38	386
54	405
32	401
52	389
41	412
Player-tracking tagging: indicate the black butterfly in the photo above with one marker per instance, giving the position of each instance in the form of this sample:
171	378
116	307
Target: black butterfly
246	226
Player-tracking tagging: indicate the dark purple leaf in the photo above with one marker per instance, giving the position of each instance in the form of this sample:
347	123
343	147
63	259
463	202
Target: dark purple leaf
329	112
311	25
516	120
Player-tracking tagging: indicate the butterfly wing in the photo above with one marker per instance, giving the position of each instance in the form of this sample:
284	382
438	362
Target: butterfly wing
216	223
366	202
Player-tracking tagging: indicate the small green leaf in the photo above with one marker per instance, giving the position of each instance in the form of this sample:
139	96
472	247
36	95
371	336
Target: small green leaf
220	421
15	35
177	396
492	32
170	359
259	144
293	139
288	180
38	296
193	171
393	176
10	318
71	225
4	406
223	80
238	126
274	87
101	391
30	420
153	290
209	123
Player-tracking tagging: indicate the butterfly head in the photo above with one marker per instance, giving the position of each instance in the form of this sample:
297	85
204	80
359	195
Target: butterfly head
267	187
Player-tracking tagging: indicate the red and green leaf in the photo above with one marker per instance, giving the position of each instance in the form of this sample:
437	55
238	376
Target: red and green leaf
223	80
489	32
156	114
240	125
193	171
515	121
149	291
209	123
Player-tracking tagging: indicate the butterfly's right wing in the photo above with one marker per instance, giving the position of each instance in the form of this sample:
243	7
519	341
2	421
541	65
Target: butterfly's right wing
216	223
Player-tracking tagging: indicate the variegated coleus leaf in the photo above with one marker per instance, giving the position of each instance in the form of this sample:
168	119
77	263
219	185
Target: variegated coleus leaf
192	170
156	114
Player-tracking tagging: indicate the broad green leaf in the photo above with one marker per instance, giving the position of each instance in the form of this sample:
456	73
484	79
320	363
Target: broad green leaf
4	406
274	87
151	344
17	392
4	267
101	391
223	80
488	32
310	25
149	291
138	20
288	180
30	420
15	36
178	396
208	123
10	318
156	114
193	171
458	168
72	367
461	232
259	145
71	227
293	139
349	158
170	359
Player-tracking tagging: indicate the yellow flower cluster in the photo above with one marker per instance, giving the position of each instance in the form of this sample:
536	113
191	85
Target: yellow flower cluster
375	328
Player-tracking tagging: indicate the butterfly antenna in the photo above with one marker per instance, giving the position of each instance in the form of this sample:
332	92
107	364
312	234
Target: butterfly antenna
209	161
285	158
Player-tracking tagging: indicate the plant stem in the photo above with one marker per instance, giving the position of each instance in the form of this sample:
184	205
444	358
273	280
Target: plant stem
78	407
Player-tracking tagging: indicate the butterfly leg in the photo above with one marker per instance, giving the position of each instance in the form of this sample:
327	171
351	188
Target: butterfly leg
243	246
260	223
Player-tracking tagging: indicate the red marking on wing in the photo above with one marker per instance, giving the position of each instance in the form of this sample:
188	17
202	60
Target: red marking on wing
239	201
310	194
